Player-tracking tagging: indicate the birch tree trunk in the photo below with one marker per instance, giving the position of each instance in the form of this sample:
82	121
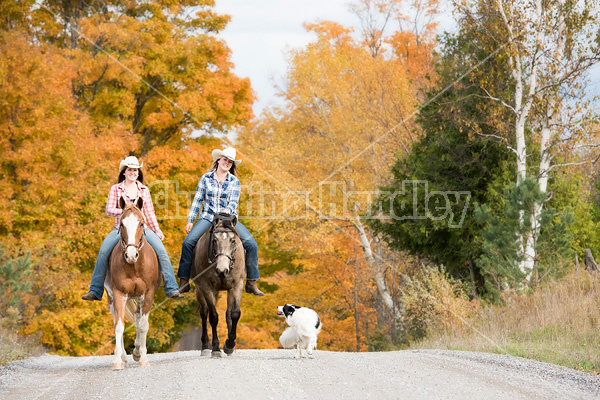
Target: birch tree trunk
545	137
383	292
522	108
546	55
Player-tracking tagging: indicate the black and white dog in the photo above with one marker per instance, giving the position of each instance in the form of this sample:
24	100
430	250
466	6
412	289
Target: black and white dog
304	324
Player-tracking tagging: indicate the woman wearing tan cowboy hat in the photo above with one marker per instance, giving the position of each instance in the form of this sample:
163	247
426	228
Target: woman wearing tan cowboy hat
218	191
130	187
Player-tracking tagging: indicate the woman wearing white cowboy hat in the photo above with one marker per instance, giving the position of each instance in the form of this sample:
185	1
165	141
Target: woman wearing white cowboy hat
218	191
130	187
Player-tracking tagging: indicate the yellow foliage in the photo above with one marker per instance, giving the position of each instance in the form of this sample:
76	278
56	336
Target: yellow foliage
317	162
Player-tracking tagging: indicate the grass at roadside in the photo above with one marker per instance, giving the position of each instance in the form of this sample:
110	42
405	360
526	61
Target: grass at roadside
14	346
559	323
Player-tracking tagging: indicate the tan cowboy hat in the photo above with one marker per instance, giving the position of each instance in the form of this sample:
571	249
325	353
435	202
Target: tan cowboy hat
228	152
130	162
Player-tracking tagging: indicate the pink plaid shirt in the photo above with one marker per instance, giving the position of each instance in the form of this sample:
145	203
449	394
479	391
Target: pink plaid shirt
113	210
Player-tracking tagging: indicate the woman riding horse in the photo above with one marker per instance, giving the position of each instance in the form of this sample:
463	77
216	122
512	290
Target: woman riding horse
132	276
219	265
218	191
130	187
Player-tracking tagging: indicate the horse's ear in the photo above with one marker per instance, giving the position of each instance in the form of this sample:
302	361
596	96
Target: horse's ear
139	203
121	203
231	222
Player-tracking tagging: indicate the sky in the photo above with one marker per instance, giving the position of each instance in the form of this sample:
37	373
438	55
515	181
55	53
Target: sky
262	32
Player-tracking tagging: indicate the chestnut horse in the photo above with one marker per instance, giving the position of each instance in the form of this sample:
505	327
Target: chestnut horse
132	275
219	265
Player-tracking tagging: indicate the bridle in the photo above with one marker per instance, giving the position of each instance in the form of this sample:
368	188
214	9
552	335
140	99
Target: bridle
140	244
213	257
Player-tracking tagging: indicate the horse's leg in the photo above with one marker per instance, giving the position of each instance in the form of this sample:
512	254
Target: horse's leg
138	316
111	306
233	316
213	317
204	318
143	326
119	309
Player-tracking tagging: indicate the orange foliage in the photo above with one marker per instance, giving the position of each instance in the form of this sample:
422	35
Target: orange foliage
69	113
329	148
158	69
331	31
416	55
53	160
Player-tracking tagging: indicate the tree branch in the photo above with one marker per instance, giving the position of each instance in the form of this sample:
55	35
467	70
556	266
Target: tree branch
502	139
497	99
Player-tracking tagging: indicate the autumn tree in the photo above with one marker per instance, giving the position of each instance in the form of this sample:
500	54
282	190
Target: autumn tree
328	147
157	67
53	158
427	207
550	46
82	85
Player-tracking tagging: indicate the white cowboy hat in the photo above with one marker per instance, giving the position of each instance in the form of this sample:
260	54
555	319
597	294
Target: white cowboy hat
228	152
130	162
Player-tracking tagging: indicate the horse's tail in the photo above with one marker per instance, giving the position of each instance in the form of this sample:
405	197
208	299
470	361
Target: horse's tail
130	309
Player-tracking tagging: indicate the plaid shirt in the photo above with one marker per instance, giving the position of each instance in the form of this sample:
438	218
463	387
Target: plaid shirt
112	204
216	197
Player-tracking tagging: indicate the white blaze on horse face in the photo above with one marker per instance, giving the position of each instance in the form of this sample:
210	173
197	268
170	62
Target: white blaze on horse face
130	223
224	246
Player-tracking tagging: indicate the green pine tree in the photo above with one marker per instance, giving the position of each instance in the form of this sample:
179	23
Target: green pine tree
453	158
501	249
13	279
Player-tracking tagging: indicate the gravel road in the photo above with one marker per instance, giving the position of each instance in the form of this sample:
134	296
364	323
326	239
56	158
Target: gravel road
275	374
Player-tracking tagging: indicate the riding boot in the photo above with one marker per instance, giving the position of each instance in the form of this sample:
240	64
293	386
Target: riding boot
253	289
90	297
184	285
175	295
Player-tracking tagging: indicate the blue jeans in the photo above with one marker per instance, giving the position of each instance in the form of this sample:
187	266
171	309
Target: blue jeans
164	263
187	249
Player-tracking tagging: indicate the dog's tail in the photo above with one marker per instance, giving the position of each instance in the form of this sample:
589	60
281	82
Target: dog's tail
288	338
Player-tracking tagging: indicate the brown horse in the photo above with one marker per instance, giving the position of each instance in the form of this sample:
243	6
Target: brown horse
219	264
132	275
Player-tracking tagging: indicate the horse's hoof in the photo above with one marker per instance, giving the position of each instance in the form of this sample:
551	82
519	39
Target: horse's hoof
206	352
144	363
216	354
118	366
227	350
136	356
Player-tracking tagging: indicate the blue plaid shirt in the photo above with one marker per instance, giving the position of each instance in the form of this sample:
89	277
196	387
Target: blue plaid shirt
216	198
